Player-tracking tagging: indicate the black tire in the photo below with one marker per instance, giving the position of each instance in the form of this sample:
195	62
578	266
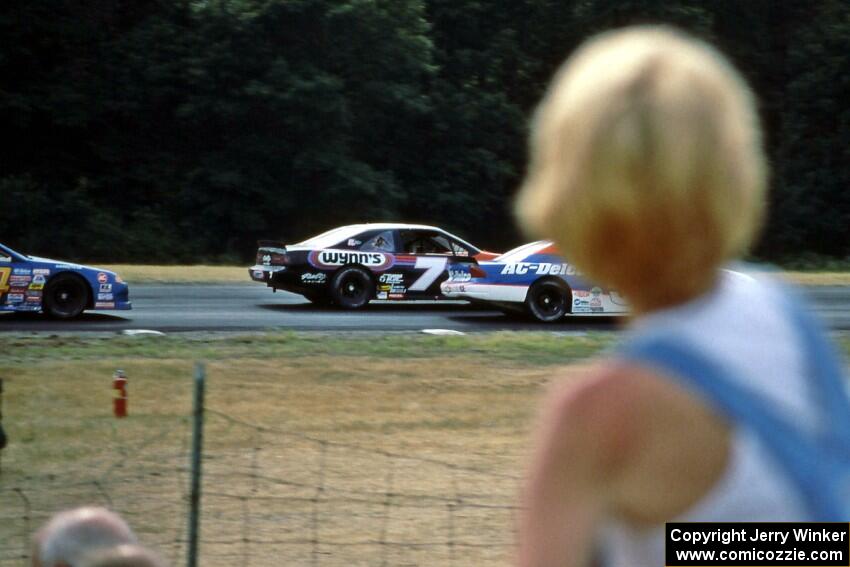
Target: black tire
65	296
547	301
352	287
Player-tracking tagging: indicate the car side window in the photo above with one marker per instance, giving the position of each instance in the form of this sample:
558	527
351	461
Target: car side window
381	242
459	249
421	242
441	245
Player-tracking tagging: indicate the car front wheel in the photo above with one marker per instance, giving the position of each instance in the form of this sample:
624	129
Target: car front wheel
65	296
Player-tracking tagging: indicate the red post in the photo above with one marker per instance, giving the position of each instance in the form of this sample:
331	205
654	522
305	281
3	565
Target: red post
119	403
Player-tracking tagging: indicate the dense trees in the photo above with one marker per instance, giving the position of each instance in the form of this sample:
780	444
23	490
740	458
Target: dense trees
154	130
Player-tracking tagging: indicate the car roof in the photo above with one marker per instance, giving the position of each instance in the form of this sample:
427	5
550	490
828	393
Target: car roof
392	226
352	229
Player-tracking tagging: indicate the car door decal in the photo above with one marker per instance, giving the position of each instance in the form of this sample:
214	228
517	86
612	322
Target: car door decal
4	280
434	266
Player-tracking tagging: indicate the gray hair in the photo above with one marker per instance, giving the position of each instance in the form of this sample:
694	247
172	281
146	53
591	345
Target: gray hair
72	534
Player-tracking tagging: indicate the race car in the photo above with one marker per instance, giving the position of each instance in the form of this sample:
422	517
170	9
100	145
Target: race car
60	289
532	279
351	265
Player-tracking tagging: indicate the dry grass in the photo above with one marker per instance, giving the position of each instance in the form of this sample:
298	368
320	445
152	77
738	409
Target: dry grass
313	459
239	274
819	278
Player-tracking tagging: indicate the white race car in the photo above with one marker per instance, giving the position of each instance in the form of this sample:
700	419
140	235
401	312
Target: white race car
534	279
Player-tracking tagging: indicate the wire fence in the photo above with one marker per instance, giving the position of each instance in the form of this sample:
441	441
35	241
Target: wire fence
275	495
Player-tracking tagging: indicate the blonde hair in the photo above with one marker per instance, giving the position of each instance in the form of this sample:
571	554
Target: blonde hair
646	164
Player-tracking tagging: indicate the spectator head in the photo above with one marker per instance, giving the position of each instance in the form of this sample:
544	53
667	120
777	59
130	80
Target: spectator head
71	534
647	167
127	555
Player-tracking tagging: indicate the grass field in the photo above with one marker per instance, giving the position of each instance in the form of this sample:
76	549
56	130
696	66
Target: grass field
396	449
239	274
320	449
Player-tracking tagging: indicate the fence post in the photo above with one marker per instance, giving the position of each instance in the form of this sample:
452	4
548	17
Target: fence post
197	443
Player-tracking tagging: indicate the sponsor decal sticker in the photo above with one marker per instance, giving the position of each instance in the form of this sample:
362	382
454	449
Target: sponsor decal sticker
5	258
314	278
259	274
38	279
102	278
15	298
106	288
36	286
391	278
540	269
459	275
396	296
334	258
41	272
381	295
105	297
22	272
354	242
34	294
104	305
20	280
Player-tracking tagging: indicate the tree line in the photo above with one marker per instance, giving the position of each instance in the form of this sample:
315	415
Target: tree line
185	130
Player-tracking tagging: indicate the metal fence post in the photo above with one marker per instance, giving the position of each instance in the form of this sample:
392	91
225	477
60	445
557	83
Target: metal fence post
197	444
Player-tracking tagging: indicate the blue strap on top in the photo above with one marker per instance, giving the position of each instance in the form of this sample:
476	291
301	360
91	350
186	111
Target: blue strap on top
818	464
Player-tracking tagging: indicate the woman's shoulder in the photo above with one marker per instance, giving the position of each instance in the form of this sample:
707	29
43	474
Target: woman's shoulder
630	425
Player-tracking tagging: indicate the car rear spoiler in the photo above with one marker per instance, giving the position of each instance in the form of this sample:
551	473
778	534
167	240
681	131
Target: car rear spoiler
272	246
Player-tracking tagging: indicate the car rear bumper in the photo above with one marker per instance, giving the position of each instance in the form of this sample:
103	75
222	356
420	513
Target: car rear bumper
263	273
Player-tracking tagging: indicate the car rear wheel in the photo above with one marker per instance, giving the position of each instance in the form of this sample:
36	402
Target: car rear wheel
547	301
65	296
352	287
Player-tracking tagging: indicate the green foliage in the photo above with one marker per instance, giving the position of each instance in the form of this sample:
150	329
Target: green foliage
185	130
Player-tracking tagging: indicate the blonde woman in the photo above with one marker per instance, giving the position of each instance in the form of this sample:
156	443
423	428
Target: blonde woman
648	171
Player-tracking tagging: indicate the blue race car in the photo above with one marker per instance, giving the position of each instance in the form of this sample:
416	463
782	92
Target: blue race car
60	289
533	279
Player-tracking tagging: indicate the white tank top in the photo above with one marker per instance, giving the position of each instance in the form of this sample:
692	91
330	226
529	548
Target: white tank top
741	324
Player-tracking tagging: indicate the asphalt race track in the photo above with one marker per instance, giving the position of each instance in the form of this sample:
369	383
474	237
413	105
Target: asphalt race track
243	307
